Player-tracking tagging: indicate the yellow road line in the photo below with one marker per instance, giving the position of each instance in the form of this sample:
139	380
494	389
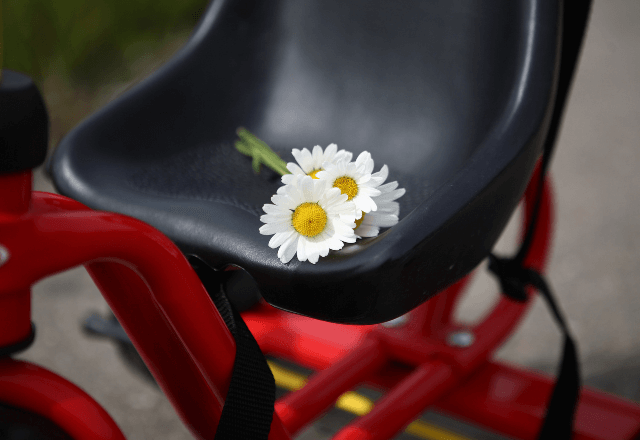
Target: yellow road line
359	405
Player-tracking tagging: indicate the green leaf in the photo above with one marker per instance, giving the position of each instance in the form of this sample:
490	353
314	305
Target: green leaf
243	148
250	145
255	163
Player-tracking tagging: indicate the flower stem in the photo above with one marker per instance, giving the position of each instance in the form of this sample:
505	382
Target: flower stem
250	145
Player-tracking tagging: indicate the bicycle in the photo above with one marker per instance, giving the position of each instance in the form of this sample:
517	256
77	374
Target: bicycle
126	256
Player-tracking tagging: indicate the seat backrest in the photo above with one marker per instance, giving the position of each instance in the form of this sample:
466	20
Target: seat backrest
454	96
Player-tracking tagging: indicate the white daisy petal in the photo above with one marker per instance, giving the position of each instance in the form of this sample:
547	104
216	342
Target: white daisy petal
364	178
383	220
363	158
345	208
306	162
313	251
335	244
274	209
288	248
399	192
349	239
330	151
307	186
343	229
323	246
297	155
284	201
294	168
368	231
318	189
344	155
316	155
279	238
367	190
276	218
368	166
387	208
387	211
273	228
382	174
332	196
302	248
391	195
365	203
303	157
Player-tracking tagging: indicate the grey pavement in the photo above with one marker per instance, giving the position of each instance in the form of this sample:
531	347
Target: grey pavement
594	269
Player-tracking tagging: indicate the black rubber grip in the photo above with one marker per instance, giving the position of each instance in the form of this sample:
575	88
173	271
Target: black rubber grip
24	124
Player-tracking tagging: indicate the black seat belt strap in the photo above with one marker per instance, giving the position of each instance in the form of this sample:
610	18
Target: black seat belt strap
514	277
248	408
558	422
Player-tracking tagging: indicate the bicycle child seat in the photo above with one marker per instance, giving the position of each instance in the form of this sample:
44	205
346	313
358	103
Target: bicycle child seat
454	96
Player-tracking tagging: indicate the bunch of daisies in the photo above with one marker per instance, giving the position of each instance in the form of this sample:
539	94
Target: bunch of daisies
327	199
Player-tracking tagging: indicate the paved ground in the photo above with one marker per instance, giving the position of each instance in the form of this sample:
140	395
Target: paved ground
594	268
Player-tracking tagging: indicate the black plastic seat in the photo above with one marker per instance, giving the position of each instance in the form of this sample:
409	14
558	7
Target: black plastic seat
454	96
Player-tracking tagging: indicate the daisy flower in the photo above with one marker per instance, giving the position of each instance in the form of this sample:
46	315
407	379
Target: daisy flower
309	218
388	209
309	163
354	179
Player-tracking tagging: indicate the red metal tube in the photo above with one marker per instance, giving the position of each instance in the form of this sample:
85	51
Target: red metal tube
16	194
300	407
15	306
164	354
15	317
513	401
180	334
35	389
402	404
309	342
438	313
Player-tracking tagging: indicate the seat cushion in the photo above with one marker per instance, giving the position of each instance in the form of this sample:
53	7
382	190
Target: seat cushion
454	96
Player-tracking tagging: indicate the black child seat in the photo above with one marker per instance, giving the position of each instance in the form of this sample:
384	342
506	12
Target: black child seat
454	96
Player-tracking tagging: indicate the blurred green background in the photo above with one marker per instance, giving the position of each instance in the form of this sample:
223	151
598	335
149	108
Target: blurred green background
82	53
89	41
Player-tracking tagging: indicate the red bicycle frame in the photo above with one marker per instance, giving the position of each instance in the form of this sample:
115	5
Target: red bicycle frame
144	278
179	333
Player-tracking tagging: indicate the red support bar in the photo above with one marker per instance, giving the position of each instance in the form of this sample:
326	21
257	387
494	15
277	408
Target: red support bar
15	306
15	317
309	342
401	405
513	402
32	388
300	407
438	312
15	195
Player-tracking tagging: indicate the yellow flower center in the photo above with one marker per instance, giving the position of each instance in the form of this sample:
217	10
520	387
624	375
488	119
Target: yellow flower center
313	173
359	222
309	219
347	185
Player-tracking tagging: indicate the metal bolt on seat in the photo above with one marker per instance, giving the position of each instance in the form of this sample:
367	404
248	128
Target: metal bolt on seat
4	255
462	339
